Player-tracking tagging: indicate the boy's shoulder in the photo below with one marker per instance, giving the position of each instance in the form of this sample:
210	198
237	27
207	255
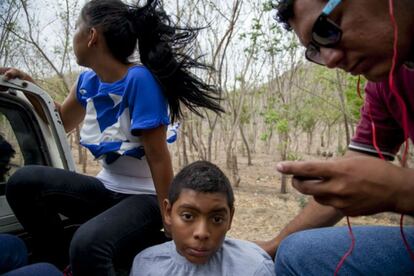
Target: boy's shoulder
244	249
144	262
159	251
246	257
236	257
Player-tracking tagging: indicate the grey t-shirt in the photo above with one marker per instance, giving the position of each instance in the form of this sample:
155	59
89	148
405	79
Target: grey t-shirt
236	257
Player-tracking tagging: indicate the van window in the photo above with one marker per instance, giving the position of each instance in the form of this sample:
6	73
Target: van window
17	127
8	136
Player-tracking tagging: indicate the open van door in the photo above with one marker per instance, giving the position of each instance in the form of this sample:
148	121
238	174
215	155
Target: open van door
36	139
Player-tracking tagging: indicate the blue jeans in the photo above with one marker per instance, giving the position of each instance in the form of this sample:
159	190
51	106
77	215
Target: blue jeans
379	250
13	259
114	227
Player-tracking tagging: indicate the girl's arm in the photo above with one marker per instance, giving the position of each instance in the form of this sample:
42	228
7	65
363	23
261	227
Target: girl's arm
71	111
159	160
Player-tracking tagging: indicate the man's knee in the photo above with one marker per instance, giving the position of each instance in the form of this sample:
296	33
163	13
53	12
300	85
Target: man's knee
288	250
293	252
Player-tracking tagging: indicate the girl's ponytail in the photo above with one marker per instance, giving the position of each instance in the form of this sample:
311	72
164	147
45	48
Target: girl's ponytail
163	49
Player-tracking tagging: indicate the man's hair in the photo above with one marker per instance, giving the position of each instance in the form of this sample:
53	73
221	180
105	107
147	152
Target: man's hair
284	12
6	153
203	177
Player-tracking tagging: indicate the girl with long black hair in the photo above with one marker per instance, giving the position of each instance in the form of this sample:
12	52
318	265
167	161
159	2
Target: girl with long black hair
124	109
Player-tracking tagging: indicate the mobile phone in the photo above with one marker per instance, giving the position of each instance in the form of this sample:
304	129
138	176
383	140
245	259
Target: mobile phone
308	178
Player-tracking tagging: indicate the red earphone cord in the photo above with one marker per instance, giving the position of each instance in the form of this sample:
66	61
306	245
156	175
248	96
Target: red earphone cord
404	113
394	90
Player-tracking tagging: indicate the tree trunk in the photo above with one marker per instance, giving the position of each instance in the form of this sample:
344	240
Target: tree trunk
178	150
343	106
84	159
235	172
246	144
185	156
210	137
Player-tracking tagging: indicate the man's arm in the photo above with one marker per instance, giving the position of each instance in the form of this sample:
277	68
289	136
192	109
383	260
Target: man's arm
314	215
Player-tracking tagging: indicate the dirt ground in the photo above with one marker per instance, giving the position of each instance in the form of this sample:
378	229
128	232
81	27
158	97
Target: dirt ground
261	210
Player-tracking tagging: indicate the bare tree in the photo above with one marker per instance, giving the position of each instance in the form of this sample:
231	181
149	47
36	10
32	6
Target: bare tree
9	12
43	57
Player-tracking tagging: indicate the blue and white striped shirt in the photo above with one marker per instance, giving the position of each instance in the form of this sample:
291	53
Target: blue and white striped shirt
114	111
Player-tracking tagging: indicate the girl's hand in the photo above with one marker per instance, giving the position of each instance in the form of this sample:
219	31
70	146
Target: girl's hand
12	73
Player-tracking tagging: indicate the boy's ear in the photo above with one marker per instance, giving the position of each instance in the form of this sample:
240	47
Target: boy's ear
231	217
167	211
93	37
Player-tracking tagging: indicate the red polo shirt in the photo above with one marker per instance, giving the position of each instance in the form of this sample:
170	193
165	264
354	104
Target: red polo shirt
386	113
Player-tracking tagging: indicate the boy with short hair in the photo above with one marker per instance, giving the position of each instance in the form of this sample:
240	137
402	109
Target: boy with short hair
199	211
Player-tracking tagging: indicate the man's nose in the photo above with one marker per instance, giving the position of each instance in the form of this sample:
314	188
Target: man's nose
332	57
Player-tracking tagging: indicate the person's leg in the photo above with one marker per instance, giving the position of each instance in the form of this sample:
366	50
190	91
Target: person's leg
117	234
13	253
38	194
379	250
39	269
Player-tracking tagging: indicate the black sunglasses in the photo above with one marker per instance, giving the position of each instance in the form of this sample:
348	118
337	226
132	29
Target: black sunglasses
325	33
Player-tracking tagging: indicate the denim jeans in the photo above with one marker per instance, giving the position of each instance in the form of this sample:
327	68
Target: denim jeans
379	250
13	260
115	227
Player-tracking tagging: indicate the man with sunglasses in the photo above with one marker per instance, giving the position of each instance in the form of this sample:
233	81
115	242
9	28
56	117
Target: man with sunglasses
356	36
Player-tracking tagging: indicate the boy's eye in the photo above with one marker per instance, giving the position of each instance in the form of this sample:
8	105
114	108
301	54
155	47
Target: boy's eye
187	216
218	219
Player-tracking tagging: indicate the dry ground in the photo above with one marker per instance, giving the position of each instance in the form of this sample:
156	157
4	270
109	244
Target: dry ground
261	210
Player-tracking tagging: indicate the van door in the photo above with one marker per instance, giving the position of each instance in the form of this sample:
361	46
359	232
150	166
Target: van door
36	140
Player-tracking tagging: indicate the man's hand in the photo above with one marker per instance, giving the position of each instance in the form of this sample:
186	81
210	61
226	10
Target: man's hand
356	185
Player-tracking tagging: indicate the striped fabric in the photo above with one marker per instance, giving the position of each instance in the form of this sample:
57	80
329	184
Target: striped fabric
115	110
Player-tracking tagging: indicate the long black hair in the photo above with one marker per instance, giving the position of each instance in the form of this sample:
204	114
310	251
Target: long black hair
163	49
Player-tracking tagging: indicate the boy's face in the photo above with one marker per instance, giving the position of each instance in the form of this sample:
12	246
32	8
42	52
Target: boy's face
199	222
